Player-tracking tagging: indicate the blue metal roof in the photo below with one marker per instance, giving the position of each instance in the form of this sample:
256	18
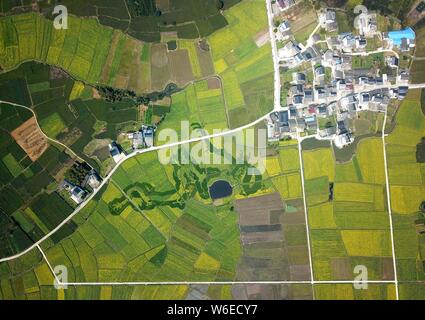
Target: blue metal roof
397	36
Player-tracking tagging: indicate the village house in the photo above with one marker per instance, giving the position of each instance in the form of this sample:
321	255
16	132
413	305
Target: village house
327	20
392	61
116	152
92	180
367	24
404	39
144	138
299	78
285	4
283	31
290	49
76	193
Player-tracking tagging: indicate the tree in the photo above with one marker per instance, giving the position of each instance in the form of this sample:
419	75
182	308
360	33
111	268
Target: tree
77	173
219	4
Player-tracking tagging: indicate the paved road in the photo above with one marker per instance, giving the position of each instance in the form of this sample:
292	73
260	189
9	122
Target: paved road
275	56
108	177
277	106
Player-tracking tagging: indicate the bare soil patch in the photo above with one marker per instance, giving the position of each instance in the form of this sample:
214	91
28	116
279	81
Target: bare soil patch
265	249
299	272
341	269
95	94
160	72
163	5
256	210
181	69
387	269
30	138
271	292
214	83
205	61
262	37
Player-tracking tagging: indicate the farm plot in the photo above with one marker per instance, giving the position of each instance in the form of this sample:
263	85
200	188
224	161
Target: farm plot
274	240
87	50
155	222
98	55
199	104
27	277
407	190
70	112
162	243
27	184
303	20
273	230
30	139
285	173
246	70
348	292
349	223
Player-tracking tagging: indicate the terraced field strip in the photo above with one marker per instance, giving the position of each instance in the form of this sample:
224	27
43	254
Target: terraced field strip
155	283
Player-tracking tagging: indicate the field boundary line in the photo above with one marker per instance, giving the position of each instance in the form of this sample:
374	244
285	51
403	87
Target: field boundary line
310	257
275	57
387	183
176	283
48	263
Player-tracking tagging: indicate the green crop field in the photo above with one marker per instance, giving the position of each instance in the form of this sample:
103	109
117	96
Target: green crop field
163	215
348	292
155	222
245	69
68	111
407	187
27	204
347	213
95	54
52	125
198	105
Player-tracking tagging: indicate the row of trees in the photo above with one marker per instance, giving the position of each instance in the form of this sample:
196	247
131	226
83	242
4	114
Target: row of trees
113	95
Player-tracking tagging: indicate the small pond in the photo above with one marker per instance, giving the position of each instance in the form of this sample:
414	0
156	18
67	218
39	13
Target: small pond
220	189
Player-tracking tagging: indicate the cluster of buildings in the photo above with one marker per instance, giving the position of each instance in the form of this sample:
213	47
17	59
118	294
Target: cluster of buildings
327	20
116	152
78	193
326	89
144	138
283	5
404	39
367	24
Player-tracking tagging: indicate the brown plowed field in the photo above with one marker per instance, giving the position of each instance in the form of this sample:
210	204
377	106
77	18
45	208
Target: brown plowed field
30	138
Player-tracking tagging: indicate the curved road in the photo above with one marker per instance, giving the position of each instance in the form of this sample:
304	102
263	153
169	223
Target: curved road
277	107
108	177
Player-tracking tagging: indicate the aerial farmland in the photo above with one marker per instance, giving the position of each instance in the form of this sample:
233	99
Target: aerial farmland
212	149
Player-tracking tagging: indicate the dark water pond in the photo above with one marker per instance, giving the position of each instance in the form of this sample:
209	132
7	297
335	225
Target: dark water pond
220	189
